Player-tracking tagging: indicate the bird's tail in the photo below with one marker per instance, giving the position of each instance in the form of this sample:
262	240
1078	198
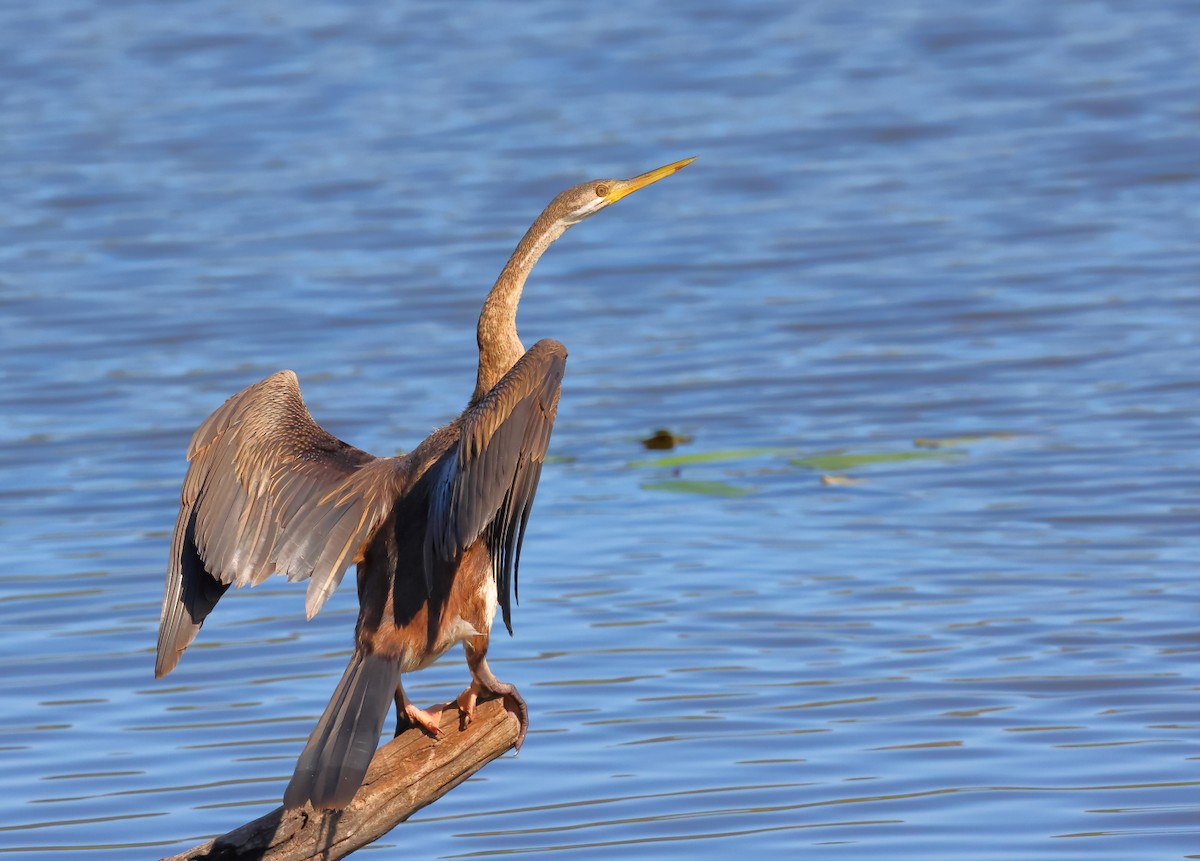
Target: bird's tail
335	760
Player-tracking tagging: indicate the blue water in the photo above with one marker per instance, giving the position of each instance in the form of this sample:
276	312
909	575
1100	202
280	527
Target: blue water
970	224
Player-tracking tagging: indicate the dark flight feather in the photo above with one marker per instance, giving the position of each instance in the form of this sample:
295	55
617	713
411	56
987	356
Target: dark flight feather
486	482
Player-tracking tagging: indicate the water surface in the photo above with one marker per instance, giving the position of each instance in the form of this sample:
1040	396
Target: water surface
918	221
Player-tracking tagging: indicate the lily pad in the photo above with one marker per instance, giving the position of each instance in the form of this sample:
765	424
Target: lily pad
709	457
704	488
840	462
964	439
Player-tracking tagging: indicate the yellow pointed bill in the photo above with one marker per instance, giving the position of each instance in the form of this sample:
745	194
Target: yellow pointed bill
624	187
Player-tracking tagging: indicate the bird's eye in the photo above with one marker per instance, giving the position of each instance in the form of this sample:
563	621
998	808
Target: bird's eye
602	190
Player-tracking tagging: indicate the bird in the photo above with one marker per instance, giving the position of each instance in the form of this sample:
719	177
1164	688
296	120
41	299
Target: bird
436	533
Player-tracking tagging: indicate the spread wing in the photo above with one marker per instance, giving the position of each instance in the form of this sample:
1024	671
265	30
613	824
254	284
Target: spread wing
484	484
268	489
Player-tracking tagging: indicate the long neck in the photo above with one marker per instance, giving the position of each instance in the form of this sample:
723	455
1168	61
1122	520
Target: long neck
499	346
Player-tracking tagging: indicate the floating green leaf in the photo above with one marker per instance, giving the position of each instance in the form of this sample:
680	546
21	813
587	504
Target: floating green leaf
709	457
839	462
704	488
965	439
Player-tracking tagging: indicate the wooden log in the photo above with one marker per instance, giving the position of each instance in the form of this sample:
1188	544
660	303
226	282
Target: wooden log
406	774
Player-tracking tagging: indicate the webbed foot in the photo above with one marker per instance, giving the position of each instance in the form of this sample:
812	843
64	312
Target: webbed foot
408	715
485	683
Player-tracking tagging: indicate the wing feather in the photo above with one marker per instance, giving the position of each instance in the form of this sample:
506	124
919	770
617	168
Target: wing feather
484	484
267	489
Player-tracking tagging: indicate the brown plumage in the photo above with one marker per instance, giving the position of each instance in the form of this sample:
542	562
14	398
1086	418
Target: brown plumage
436	534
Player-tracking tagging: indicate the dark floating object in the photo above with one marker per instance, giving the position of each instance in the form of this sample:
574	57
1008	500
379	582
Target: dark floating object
663	440
436	533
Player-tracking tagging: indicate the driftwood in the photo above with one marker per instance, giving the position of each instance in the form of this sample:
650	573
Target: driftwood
406	774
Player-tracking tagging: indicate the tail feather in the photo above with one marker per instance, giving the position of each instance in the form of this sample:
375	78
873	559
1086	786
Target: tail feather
189	596
335	760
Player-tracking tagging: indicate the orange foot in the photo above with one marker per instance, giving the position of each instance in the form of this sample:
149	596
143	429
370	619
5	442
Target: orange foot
468	698
426	720
466	702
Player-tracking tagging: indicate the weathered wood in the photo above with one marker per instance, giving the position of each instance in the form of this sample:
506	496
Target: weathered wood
406	774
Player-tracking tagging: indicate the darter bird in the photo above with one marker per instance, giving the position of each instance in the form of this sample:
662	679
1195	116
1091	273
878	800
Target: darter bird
436	533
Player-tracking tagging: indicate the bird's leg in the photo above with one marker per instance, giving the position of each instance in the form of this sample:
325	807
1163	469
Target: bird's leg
408	715
484	682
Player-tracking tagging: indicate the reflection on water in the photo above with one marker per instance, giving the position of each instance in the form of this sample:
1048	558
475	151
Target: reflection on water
943	260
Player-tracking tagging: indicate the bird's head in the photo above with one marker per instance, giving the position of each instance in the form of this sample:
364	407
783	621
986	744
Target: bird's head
581	201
